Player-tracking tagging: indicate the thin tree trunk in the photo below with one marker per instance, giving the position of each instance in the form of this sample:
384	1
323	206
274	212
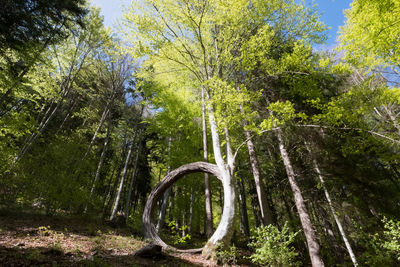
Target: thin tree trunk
41	128
328	199
128	200
164	203
192	199
71	110
113	189
183	224
309	232
266	214
208	202
121	184
255	204
102	157
244	219
102	120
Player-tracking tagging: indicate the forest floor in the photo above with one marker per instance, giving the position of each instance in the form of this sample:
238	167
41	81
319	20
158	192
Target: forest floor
32	239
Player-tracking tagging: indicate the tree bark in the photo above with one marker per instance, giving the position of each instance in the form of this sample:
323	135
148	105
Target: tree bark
148	226
223	233
243	209
102	119
192	200
164	203
207	189
309	232
266	214
121	184
135	167
101	161
328	199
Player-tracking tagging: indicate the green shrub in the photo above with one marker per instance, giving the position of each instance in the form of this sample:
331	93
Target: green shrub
177	233
273	247
226	256
380	248
392	237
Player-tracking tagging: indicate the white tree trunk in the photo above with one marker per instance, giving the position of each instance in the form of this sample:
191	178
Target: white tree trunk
102	119
121	184
101	161
225	229
207	190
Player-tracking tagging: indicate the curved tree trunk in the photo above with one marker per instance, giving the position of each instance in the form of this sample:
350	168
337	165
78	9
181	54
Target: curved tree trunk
223	233
224	171
309	232
148	226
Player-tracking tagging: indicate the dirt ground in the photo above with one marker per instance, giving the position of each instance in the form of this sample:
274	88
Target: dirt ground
32	239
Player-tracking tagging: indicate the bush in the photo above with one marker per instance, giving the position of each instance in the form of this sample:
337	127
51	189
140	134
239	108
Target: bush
273	247
392	237
381	248
226	256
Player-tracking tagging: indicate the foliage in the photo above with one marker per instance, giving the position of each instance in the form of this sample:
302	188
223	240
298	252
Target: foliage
273	247
177	233
392	237
226	256
370	35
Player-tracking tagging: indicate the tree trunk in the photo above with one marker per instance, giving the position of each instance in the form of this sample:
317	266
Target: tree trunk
148	226
328	199
222	170
135	170
102	119
102	157
207	189
243	209
309	232
42	126
121	184
255	207
164	203
226	227
192	200
266	214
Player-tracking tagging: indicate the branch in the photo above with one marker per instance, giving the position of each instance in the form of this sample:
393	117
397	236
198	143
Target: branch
318	126
350	128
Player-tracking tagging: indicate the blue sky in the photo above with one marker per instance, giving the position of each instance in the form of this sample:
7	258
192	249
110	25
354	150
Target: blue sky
332	14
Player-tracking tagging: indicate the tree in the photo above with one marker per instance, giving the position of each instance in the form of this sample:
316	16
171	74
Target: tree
369	37
27	28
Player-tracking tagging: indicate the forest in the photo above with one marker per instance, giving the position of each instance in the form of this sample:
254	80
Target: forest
199	133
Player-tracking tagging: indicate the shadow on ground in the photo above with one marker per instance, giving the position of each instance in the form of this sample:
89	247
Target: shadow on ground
43	256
